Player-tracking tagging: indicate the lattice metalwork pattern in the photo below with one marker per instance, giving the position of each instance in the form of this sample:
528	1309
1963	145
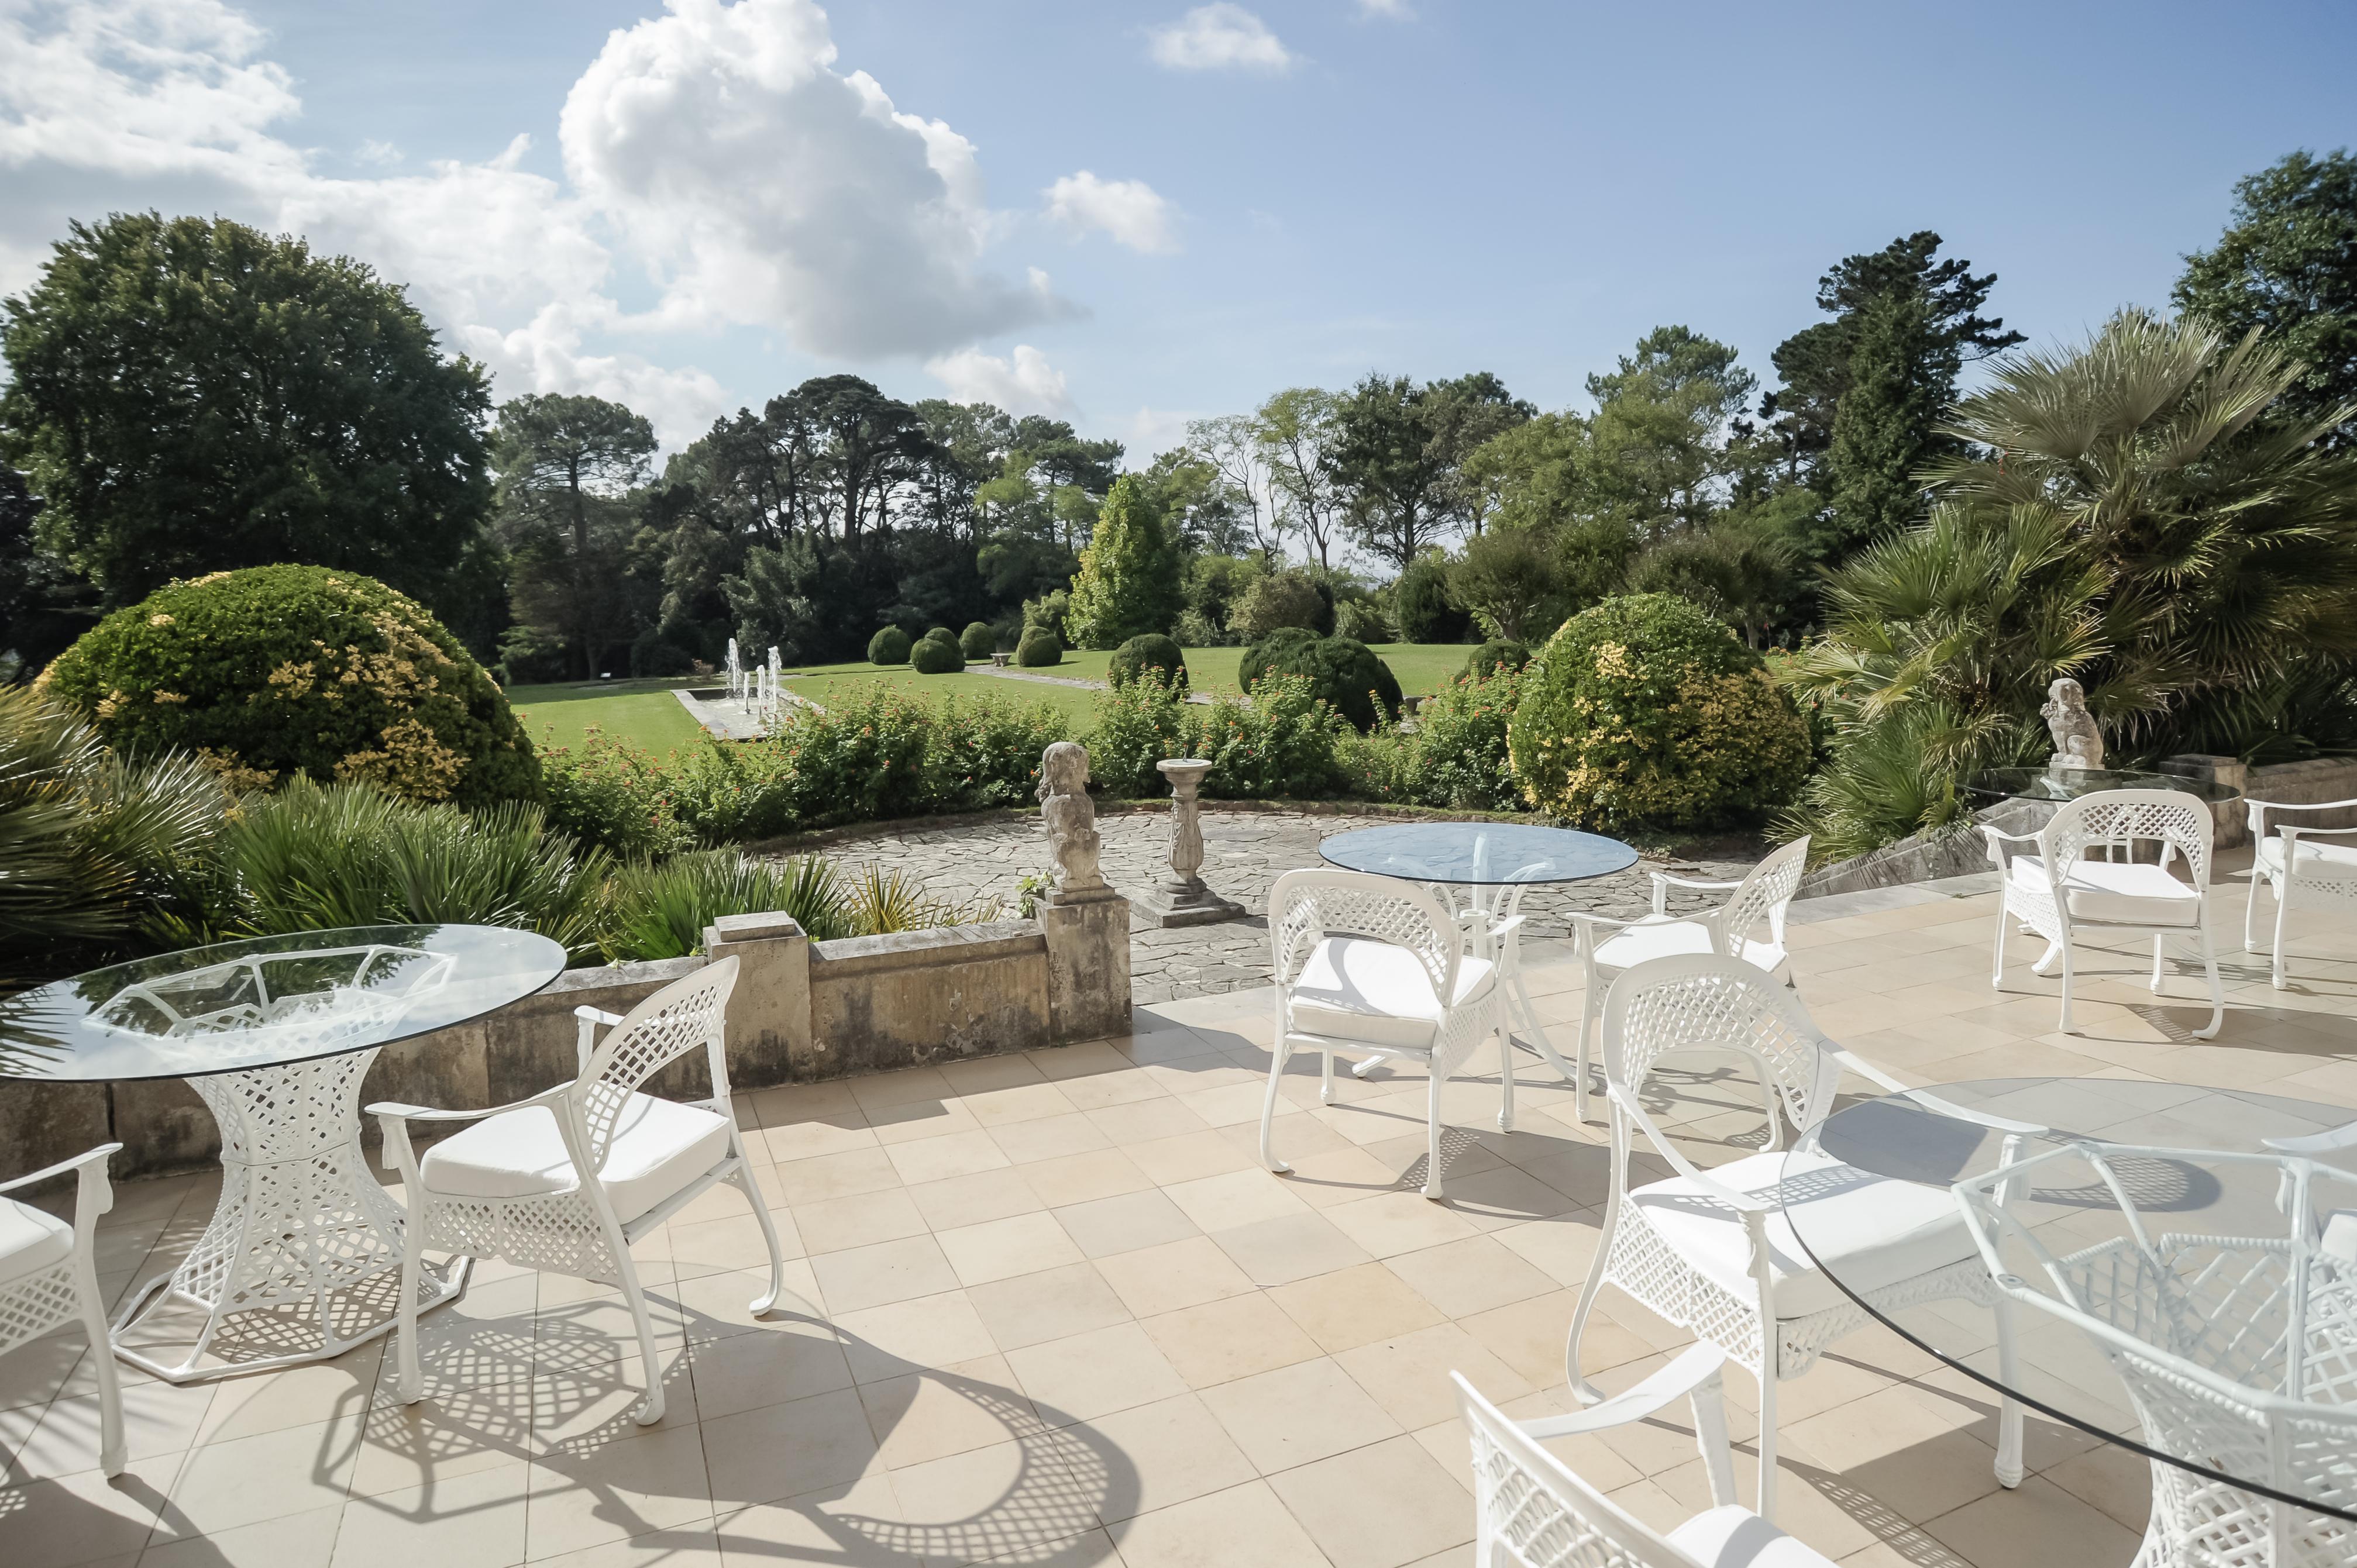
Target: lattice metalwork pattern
645	1043
1716	1010
31	1306
560	1232
1334	904
1539	1523
1764	896
2165	816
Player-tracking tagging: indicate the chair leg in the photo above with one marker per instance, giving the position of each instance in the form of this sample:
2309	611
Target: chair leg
2067	972
1580	1387
1432	1135
2251	912
2156	939
1997	960
1767	1504
110	1455
745	1183
2217	986
408	1370
650	1408
1277	1055
1505	1073
2008	1419
1590	1004
2283	928
1325	1078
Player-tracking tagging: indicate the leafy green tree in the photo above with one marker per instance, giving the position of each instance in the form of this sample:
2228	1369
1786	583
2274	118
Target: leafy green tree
1657	447
1297	431
1887	423
1128	584
1399	454
567	466
2287	265
191	395
1507	578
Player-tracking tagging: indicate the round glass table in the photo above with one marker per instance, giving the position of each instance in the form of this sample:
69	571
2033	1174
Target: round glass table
2161	1277
1494	862
2059	784
274	1035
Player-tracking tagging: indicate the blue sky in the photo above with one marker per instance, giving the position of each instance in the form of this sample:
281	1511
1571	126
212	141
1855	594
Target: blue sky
1293	191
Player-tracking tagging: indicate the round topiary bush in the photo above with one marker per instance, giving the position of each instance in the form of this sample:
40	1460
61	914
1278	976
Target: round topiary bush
937	656
889	646
1498	653
1645	711
1151	652
1341	670
1038	649
276	671
940	634
978	640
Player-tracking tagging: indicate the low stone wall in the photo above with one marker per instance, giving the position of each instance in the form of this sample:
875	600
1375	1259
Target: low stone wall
802	1011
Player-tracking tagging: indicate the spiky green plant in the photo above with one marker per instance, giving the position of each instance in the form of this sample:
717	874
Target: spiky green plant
661	909
881	901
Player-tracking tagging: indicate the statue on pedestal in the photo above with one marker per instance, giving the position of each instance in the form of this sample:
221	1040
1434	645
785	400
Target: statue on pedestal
1070	817
1181	898
2078	743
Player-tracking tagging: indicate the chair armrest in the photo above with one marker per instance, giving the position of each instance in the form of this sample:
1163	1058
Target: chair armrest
1741	1202
399	1111
1926	1098
1698	1367
2338	1138
1660	877
597	1016
98	1155
2287	806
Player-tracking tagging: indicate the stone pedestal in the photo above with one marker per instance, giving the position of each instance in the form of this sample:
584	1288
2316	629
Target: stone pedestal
1088	963
1181	897
769	1011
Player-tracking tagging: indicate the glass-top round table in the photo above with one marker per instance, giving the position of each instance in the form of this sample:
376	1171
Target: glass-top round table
2166	1281
2059	784
1495	863
302	1259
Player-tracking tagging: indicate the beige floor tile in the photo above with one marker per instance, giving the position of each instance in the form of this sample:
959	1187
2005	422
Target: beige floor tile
1529	1335
1236	1198
244	1480
938	1159
1085	1376
1382	1506
1355	1307
794	1141
1243	1527
1019	1101
1293	1247
616	1491
862	1219
716	1246
1107	1226
786	1450
1408	1375
710	1306
1144	1121
900	1087
2116	1480
1221	1341
1909	1449
1003	1249
976	1198
1175	1274
824	1176
782	1360
406	1446
1189	1156
1176	1449
158	1419
2036	1522
857	1525
298	1540
1393	1222
84	1518
913	1336
1049	1138
693	1544
1297	1414
912	1119
921	1416
1462	1278
476	1521
1032	1309
1120	1086
993	1501
885	1273
1083	1178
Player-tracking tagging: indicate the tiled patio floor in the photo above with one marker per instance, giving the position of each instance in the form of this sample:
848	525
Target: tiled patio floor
1048	1310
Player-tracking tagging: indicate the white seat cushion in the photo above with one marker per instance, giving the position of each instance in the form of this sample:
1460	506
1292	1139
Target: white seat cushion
31	1240
2128	892
659	1147
1663	936
1880	1231
1353	988
2331	857
1734	1537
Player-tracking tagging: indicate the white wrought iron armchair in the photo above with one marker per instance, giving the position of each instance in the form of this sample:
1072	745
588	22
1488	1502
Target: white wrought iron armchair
1374	967
2298	869
1715	1252
1763	896
2060	895
1531	1509
49	1277
2239	1353
568	1180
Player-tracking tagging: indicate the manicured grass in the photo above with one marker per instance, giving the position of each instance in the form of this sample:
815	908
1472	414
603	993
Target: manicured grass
837	685
643	713
1424	668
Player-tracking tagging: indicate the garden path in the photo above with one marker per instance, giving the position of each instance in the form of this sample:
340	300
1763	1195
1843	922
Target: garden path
1243	854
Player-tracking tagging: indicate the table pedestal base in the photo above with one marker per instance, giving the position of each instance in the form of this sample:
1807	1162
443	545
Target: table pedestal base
302	1259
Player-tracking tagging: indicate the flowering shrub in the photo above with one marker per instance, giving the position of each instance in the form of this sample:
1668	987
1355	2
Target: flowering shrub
1645	711
1281	743
281	670
608	792
1457	756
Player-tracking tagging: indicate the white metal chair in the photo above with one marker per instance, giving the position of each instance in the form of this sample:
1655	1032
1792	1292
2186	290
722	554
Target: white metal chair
2298	869
1763	896
2239	1352
1715	1252
2059	894
48	1276
570	1179
1377	968
1533	1510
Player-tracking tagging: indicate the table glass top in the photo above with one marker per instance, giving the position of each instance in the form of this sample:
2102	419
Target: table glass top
2069	783
268	1001
1486	854
2193	1164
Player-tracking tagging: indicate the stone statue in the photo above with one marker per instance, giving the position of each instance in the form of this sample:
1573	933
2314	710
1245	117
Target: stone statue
1070	818
2078	743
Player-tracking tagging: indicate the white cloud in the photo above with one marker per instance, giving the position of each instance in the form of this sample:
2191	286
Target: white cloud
1396	10
384	154
1220	36
1130	211
1151	431
545	356
1027	384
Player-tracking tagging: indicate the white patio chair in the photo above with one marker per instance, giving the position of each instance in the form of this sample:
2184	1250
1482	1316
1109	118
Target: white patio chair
1715	1252
1374	967
48	1276
2060	895
1763	896
570	1179
2298	870
2239	1353
1531	1509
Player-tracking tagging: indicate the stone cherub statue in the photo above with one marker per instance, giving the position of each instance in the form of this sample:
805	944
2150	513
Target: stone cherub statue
1070	818
2078	743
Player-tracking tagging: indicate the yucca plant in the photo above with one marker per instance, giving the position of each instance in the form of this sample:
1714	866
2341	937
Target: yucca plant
659	909
883	900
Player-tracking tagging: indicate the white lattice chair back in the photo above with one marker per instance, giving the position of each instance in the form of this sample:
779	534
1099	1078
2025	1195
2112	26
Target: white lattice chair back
2169	817
1706	1001
688	1013
1306	906
1765	894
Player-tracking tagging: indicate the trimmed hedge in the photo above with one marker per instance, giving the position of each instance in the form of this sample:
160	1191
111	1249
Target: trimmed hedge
937	656
281	670
978	640
1151	652
1498	653
889	646
940	634
1646	711
1342	671
1038	649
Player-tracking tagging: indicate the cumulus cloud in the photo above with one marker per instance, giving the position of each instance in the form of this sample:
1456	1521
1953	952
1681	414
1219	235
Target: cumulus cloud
715	148
1130	211
1026	384
1152	431
1396	10
1220	36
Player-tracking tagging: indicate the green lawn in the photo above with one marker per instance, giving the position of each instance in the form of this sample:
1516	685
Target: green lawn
834	686
641	711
